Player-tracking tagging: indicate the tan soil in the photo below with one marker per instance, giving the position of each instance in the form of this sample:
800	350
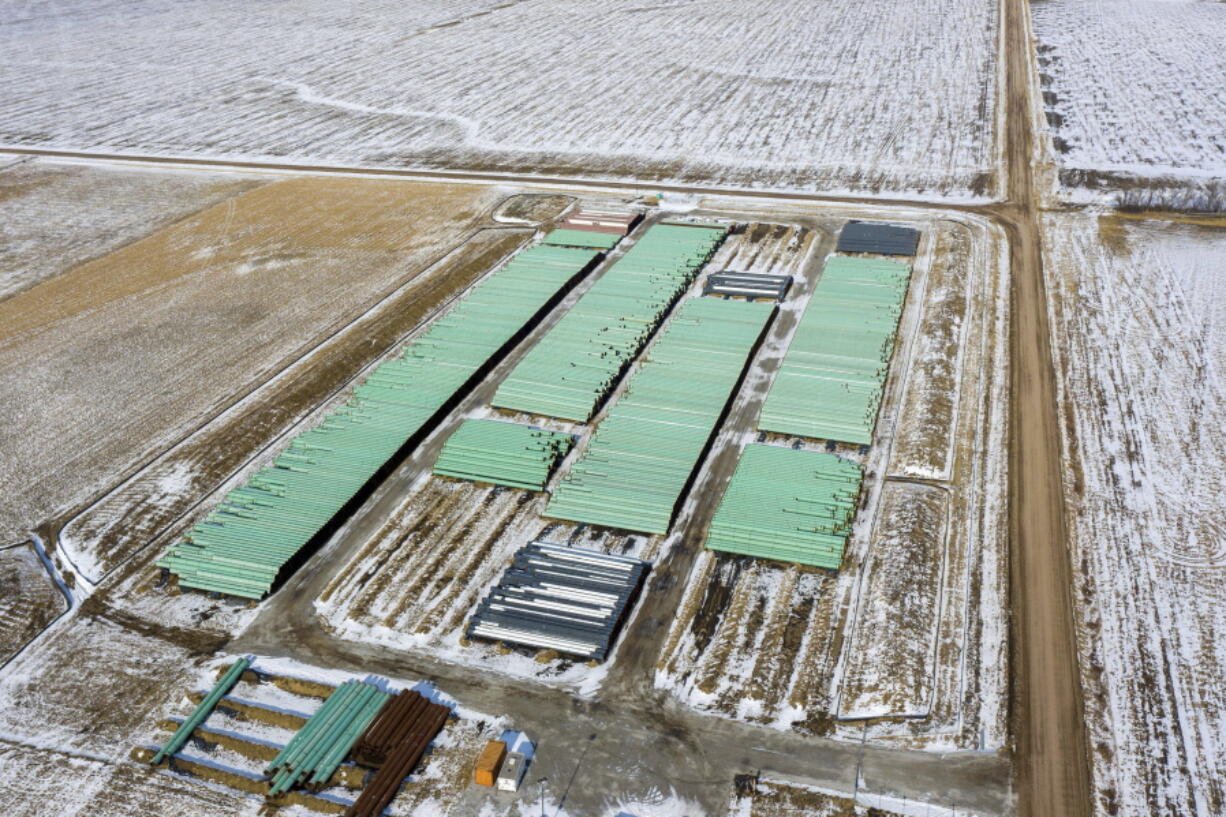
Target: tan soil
1052	761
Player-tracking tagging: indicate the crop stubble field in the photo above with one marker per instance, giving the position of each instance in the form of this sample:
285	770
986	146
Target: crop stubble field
843	96
109	364
55	216
29	599
1137	314
1133	90
770	643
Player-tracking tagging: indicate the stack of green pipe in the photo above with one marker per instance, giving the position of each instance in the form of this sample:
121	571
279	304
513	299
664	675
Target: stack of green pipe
642	455
571	369
241	547
314	753
790	505
224	685
581	238
829	386
509	454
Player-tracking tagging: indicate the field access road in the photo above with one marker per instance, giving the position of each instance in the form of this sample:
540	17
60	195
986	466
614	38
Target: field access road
1052	763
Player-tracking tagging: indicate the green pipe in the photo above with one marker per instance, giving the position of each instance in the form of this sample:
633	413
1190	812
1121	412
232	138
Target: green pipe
203	710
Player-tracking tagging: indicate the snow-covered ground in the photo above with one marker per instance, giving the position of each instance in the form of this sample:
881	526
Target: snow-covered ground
1134	87
29	598
1138	314
838	96
788	798
54	215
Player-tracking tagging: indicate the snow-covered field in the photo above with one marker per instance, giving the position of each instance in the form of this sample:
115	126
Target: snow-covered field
840	96
106	366
1139	333
1133	88
891	659
794	649
785	798
55	215
29	598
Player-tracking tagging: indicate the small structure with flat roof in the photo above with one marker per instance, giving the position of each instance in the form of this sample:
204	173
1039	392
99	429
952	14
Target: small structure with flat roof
878	239
747	285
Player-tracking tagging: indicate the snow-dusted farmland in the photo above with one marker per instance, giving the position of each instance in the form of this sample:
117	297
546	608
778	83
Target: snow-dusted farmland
55	215
1138	315
107	365
29	599
839	96
1133	88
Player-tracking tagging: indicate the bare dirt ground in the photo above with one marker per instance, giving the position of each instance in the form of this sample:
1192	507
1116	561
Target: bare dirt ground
108	365
1049	733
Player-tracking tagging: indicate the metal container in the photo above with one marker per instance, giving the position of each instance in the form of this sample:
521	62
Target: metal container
489	763
512	773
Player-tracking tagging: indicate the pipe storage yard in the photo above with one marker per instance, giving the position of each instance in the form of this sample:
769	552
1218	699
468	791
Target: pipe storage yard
318	748
829	384
510	454
790	505
578	363
561	598
644	453
242	546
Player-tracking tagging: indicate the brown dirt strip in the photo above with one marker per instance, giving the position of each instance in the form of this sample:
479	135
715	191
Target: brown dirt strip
1052	765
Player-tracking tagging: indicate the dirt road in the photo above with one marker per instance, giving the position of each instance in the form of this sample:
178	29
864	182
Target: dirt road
1052	766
